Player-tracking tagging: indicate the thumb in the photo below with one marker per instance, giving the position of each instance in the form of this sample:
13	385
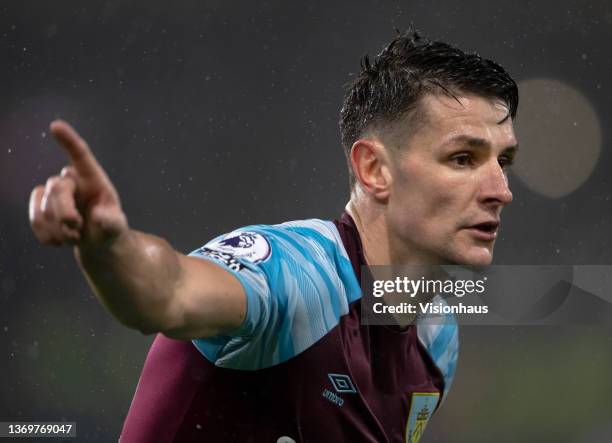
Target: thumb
105	223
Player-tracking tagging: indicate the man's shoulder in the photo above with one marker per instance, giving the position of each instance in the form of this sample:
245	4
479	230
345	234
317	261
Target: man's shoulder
312	228
257	243
299	283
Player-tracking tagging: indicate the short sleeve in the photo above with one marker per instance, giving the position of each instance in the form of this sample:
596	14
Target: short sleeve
441	340
298	281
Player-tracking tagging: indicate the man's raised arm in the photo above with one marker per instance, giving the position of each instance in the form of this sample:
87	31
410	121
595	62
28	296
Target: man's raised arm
140	278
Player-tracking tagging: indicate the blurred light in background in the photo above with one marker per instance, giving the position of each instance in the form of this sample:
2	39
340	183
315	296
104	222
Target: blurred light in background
559	136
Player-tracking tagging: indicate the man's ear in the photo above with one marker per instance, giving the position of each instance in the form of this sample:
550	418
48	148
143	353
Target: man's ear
370	162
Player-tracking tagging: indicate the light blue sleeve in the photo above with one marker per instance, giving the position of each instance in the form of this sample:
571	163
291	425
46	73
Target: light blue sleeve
298	281
442	343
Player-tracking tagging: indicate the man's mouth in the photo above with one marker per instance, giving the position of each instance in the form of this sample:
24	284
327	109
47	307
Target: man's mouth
485	231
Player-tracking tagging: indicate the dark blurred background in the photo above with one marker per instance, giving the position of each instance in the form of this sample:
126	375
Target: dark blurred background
211	115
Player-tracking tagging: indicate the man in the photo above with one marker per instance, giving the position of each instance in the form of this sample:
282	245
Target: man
260	333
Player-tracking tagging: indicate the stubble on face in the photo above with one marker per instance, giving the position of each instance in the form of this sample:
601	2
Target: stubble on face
434	198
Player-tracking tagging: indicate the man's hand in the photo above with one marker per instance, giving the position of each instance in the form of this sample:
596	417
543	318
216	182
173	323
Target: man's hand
79	206
139	277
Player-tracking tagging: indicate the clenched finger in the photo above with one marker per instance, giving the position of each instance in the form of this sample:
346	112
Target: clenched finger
37	220
58	202
70	235
34	205
70	171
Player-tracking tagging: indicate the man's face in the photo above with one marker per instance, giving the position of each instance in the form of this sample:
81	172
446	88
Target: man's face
449	182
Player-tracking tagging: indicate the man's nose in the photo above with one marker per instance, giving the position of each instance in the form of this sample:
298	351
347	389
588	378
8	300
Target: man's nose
495	189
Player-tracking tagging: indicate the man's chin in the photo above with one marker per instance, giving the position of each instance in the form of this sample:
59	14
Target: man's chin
476	257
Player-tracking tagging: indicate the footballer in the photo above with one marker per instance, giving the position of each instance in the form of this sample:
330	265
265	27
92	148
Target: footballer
259	331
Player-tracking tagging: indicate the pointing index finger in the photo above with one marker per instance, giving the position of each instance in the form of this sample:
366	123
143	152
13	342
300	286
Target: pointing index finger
80	155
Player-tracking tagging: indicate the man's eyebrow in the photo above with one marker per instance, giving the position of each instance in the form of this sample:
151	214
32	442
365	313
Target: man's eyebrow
477	142
512	150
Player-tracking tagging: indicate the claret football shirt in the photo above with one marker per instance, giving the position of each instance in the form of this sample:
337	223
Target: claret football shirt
302	367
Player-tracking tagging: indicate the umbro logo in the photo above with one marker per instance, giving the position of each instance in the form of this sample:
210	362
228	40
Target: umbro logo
342	385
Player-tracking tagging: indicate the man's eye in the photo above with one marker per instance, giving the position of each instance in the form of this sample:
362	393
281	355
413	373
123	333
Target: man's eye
505	161
462	159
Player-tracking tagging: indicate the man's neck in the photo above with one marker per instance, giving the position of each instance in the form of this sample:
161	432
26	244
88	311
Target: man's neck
372	232
375	239
381	244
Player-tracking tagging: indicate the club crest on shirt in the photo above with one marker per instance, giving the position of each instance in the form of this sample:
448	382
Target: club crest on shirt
422	405
247	245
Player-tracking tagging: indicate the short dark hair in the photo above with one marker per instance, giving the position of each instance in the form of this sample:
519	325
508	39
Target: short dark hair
409	67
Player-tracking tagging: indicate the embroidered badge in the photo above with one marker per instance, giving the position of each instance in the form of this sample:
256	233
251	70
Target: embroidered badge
246	245
422	406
